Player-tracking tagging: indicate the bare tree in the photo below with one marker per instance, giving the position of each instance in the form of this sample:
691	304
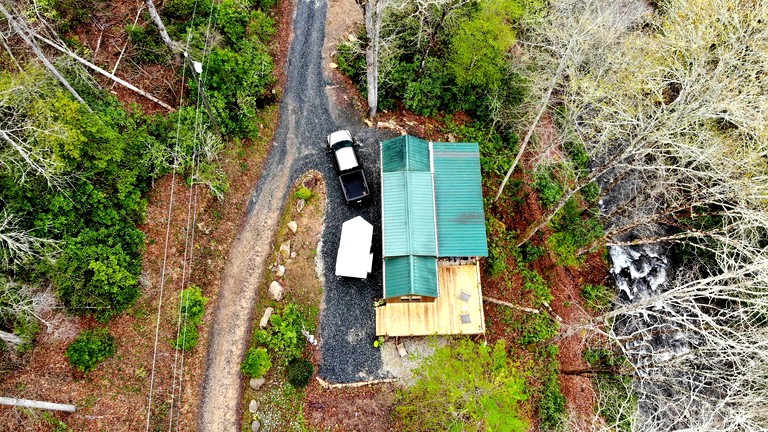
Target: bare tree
18	244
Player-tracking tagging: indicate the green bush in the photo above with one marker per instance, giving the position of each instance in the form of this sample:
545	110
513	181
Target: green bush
552	404
538	328
283	337
465	387
550	189
192	310
91	348
303	193
256	363
535	285
597	296
149	48
299	372
573	229
351	62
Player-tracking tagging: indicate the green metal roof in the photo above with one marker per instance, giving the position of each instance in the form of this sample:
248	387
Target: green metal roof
410	275
405	153
408	214
459	200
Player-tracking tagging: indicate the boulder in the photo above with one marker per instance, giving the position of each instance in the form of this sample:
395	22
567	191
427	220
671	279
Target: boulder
255	426
275	291
293	226
256	383
265	319
280	271
253	406
285	249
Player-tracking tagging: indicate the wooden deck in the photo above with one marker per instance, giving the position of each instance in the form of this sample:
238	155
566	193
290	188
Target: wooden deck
443	316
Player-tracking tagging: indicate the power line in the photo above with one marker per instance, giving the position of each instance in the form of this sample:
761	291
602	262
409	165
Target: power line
167	236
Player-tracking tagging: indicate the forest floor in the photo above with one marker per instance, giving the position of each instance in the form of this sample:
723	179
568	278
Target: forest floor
108	398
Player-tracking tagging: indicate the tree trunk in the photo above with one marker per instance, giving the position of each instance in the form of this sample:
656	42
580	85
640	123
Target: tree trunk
105	73
159	23
372	27
542	109
10	338
26	403
21	29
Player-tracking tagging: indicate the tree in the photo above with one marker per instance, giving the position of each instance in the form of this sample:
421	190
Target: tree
465	386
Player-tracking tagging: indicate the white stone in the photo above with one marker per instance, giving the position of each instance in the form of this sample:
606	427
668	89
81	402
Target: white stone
256	383
332	65
285	249
401	350
293	226
293	254
255	426
253	406
300	203
275	291
280	271
265	319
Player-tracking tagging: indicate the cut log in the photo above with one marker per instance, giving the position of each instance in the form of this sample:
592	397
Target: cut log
26	403
118	80
327	385
510	305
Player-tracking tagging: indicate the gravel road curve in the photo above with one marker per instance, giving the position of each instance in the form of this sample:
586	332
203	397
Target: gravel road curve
347	325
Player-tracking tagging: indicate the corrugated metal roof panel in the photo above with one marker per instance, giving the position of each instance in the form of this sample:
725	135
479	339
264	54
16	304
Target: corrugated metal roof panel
408	214
405	153
410	275
459	200
393	154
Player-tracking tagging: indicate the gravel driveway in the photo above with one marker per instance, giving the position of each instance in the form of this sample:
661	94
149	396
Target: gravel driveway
347	323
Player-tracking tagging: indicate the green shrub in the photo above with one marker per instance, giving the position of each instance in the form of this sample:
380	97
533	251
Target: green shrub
532	252
538	328
351	61
192	310
283	337
573	229
550	189
597	296
303	193
299	372
91	348
149	48
478	381
256	363
536	285
552	404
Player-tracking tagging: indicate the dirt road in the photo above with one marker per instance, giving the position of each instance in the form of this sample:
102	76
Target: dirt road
305	120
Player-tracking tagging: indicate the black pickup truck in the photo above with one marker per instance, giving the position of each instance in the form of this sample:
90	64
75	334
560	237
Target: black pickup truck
348	166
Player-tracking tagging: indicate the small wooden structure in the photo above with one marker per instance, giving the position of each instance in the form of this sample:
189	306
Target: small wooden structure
444	316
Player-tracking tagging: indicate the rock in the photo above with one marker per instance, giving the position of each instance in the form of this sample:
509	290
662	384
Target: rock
332	65
351	37
265	319
401	350
285	249
256	383
253	406
300	203
255	426
368	122
280	271
275	291
293	226
293	254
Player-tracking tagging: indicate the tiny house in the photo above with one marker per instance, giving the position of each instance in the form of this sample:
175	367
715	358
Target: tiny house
433	224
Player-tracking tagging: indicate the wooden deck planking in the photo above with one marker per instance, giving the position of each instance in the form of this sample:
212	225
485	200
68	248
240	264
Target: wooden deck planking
443	315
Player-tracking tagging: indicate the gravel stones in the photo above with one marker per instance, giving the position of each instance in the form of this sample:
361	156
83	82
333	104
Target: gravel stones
253	406
265	318
275	291
256	383
293	226
285	249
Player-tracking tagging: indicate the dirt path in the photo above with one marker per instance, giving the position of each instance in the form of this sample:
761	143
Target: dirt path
305	120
